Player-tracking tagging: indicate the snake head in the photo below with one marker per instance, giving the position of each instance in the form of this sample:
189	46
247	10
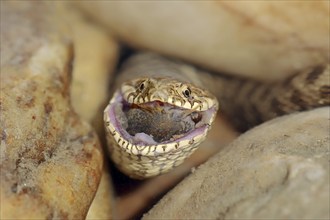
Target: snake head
170	91
153	124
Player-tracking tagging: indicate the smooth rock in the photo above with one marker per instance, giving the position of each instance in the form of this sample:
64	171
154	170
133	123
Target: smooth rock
96	55
278	170
51	161
103	204
266	40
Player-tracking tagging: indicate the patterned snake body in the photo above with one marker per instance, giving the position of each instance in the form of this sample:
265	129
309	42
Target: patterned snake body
248	103
159	113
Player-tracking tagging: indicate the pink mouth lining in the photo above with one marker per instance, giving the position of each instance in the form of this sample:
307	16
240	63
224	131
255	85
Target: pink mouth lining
143	139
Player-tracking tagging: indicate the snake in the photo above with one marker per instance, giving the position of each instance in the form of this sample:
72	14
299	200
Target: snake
162	109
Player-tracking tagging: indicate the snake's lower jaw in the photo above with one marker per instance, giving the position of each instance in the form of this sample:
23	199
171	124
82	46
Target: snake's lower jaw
151	139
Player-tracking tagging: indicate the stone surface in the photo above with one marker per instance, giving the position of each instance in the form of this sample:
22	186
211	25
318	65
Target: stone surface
102	206
51	161
278	170
95	54
265	40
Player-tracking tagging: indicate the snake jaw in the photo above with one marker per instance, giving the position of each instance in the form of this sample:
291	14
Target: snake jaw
170	131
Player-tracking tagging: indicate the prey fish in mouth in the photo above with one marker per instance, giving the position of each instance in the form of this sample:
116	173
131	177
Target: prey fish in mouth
153	124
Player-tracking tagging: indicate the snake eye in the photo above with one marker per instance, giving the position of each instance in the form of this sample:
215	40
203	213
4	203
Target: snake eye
187	93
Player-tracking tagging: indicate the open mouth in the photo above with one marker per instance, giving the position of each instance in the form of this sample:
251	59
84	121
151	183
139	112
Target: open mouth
157	122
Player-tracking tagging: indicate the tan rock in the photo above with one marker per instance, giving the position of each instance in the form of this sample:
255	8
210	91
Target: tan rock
50	160
96	54
102	206
278	170
265	40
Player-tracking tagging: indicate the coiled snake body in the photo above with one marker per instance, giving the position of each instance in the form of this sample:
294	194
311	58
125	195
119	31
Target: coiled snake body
161	110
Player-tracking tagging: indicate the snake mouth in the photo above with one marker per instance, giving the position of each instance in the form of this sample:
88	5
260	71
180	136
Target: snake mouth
156	122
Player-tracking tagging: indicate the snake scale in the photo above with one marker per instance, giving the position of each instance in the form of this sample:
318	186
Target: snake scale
162	109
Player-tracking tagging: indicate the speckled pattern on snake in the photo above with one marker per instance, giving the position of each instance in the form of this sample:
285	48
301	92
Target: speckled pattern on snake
162	109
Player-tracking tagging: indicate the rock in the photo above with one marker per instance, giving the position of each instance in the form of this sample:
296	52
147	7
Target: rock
266	40
279	169
102	206
96	54
51	161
